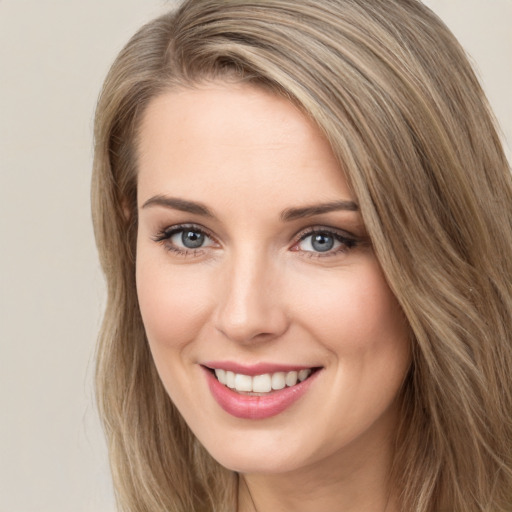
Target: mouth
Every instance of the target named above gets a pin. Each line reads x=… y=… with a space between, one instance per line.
x=258 y=392
x=262 y=384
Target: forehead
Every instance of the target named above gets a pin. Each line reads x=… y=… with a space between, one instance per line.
x=234 y=140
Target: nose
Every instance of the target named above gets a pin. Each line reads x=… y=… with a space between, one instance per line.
x=250 y=307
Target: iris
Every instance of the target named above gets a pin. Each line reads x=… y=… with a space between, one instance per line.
x=192 y=239
x=322 y=242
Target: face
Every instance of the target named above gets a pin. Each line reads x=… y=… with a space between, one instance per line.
x=267 y=314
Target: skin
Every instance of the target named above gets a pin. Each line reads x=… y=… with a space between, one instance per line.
x=258 y=290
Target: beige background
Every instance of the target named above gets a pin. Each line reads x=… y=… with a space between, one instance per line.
x=53 y=57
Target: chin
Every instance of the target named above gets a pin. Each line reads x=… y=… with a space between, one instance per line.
x=270 y=453
x=258 y=463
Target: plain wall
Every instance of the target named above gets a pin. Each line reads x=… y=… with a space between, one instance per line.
x=54 y=55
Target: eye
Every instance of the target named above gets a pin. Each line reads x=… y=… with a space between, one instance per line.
x=184 y=239
x=324 y=242
x=319 y=242
x=190 y=239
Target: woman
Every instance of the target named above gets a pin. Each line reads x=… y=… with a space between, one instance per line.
x=304 y=214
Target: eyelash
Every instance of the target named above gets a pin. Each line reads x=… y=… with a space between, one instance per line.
x=347 y=242
x=165 y=235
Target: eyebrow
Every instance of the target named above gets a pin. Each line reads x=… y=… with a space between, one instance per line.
x=317 y=209
x=287 y=215
x=178 y=204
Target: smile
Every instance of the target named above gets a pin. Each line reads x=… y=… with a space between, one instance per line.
x=253 y=394
x=264 y=383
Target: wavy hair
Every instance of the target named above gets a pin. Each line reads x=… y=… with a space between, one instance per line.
x=394 y=93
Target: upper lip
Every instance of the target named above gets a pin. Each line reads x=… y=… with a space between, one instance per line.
x=255 y=369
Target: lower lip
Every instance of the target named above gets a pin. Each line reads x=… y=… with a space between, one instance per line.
x=252 y=407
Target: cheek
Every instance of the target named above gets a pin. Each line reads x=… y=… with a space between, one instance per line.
x=174 y=302
x=355 y=316
x=355 y=307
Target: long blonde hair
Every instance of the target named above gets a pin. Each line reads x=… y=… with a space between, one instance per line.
x=394 y=94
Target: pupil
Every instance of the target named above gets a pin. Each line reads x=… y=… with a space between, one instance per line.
x=192 y=239
x=322 y=243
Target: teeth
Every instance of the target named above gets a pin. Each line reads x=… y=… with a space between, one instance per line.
x=221 y=376
x=291 y=378
x=230 y=380
x=278 y=380
x=243 y=382
x=304 y=374
x=261 y=383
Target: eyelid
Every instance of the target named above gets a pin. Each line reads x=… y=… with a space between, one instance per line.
x=347 y=240
x=324 y=229
x=165 y=235
x=169 y=231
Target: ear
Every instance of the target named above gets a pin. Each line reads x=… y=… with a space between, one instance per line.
x=126 y=210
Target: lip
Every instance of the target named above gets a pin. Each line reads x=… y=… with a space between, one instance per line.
x=253 y=369
x=256 y=407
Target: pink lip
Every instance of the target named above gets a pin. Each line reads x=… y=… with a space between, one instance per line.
x=253 y=369
x=256 y=407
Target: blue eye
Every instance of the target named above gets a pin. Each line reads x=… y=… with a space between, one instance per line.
x=325 y=242
x=322 y=242
x=182 y=239
x=191 y=239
